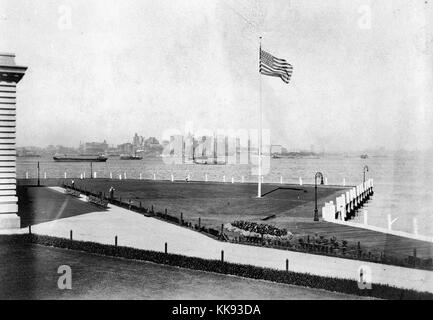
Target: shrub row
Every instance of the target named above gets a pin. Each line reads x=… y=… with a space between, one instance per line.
x=259 y=228
x=247 y=271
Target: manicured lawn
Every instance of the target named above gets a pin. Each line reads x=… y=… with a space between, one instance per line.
x=37 y=205
x=30 y=272
x=215 y=203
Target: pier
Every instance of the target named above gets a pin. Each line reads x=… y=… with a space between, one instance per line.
x=347 y=204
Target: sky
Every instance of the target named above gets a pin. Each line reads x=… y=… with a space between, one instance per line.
x=105 y=69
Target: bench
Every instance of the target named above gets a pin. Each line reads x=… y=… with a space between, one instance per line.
x=269 y=217
x=97 y=201
x=73 y=193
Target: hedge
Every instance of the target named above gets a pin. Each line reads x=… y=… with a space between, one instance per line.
x=247 y=271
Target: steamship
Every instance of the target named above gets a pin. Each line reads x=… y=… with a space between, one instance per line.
x=79 y=158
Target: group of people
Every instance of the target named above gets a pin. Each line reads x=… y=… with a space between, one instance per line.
x=260 y=228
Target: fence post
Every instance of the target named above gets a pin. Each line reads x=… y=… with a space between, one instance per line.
x=287 y=264
x=115 y=241
x=165 y=248
x=70 y=235
x=30 y=229
x=181 y=218
x=199 y=223
x=222 y=256
x=39 y=179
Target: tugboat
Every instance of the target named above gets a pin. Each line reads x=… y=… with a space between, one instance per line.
x=130 y=157
x=80 y=158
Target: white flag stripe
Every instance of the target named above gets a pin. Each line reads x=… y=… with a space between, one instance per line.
x=275 y=67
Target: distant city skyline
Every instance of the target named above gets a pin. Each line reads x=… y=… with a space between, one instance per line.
x=363 y=70
x=311 y=148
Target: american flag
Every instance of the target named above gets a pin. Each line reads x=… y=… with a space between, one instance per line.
x=274 y=67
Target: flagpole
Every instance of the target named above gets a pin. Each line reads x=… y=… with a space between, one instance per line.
x=259 y=186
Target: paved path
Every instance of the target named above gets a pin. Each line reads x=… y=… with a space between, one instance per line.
x=135 y=230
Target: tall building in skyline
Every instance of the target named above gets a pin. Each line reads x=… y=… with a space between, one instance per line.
x=94 y=147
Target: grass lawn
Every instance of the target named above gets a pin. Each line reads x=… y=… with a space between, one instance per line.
x=217 y=203
x=37 y=205
x=30 y=272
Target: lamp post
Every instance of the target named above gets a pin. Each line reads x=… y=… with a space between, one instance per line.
x=365 y=170
x=316 y=212
x=39 y=180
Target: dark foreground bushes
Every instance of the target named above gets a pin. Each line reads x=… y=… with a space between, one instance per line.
x=248 y=271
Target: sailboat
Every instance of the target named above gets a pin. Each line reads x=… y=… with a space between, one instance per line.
x=204 y=159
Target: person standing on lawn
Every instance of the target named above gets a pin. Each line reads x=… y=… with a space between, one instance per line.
x=111 y=191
